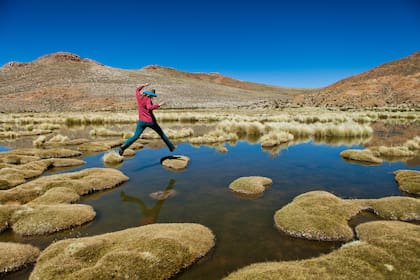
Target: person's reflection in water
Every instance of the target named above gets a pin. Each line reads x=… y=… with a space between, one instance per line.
x=150 y=214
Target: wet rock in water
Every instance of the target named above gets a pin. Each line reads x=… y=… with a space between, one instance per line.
x=156 y=251
x=252 y=185
x=408 y=180
x=112 y=158
x=386 y=250
x=83 y=182
x=14 y=175
x=162 y=195
x=175 y=162
x=361 y=155
x=14 y=256
x=319 y=215
x=43 y=219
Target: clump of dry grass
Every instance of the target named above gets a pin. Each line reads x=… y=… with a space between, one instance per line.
x=47 y=209
x=171 y=133
x=83 y=182
x=104 y=132
x=18 y=174
x=398 y=151
x=275 y=138
x=58 y=139
x=156 y=251
x=408 y=180
x=252 y=185
x=112 y=158
x=385 y=250
x=413 y=144
x=320 y=215
x=42 y=219
x=361 y=155
x=215 y=136
x=38 y=142
x=15 y=256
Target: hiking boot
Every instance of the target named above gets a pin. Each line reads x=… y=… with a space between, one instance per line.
x=172 y=148
x=120 y=151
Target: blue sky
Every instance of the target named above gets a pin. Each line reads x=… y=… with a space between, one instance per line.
x=299 y=43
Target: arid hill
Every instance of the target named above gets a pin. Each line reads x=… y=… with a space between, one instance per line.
x=390 y=84
x=66 y=82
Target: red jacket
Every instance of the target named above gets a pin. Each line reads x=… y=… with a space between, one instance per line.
x=145 y=107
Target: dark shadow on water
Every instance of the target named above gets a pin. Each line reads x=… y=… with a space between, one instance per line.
x=150 y=214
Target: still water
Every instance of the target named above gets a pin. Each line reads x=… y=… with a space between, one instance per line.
x=244 y=228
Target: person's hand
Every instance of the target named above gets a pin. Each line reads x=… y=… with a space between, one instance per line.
x=144 y=85
x=162 y=103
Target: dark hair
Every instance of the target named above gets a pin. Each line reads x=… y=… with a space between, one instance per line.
x=153 y=90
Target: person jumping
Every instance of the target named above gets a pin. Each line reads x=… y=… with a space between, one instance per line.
x=146 y=118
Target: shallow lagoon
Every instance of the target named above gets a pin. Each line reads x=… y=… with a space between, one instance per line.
x=244 y=228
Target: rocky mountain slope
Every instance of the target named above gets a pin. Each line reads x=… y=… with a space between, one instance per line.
x=66 y=82
x=390 y=84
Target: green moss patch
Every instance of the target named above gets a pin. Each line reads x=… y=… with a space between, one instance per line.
x=320 y=215
x=252 y=185
x=176 y=162
x=15 y=256
x=386 y=250
x=408 y=180
x=361 y=155
x=156 y=251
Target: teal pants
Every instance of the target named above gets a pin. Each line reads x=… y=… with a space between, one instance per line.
x=141 y=126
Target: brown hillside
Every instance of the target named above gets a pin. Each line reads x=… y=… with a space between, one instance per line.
x=67 y=82
x=390 y=84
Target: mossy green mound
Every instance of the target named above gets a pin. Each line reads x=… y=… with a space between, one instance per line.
x=14 y=175
x=320 y=215
x=175 y=162
x=14 y=256
x=251 y=185
x=361 y=155
x=408 y=180
x=156 y=251
x=83 y=182
x=386 y=250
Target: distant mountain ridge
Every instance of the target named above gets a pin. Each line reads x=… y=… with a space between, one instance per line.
x=390 y=84
x=66 y=82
